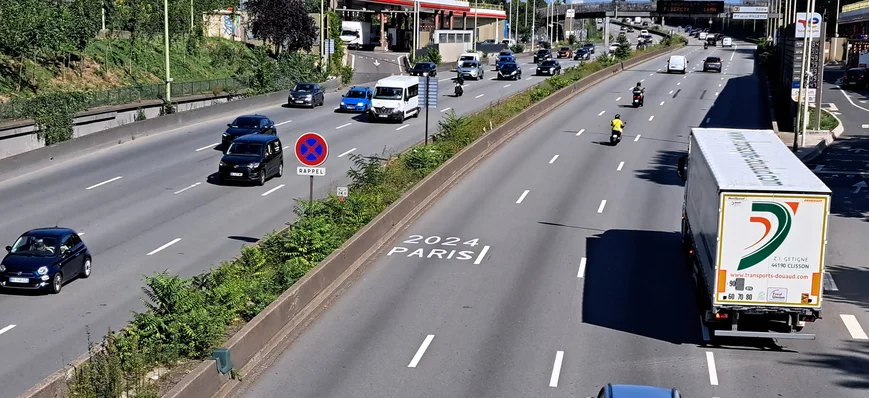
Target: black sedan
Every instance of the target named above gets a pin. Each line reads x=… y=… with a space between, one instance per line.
x=588 y=47
x=712 y=63
x=542 y=55
x=247 y=124
x=421 y=68
x=581 y=54
x=510 y=70
x=550 y=67
x=306 y=94
x=45 y=258
x=856 y=77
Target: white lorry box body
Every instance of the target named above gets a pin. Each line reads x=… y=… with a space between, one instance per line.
x=758 y=219
x=356 y=34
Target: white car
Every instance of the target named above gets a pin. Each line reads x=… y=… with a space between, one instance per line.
x=614 y=47
x=727 y=42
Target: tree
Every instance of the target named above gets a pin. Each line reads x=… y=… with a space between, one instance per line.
x=624 y=50
x=284 y=23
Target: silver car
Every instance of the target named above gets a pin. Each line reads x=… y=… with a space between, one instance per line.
x=471 y=69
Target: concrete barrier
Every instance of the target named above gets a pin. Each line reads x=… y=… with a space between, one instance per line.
x=302 y=302
x=38 y=158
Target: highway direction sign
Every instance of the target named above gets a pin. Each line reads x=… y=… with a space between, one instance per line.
x=311 y=149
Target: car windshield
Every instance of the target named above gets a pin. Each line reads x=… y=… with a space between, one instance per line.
x=422 y=65
x=713 y=59
x=466 y=58
x=389 y=93
x=304 y=88
x=509 y=66
x=506 y=53
x=469 y=64
x=565 y=48
x=245 y=123
x=587 y=45
x=855 y=72
x=548 y=63
x=506 y=59
x=355 y=94
x=35 y=245
x=350 y=33
x=245 y=149
x=542 y=52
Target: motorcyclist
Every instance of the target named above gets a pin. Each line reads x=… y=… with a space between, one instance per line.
x=639 y=90
x=705 y=45
x=618 y=125
x=460 y=81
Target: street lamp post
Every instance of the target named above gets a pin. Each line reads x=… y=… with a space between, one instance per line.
x=533 y=23
x=322 y=35
x=166 y=50
x=476 y=28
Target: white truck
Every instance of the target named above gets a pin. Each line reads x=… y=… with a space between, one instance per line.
x=357 y=35
x=754 y=228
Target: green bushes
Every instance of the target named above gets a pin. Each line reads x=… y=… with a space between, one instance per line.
x=186 y=318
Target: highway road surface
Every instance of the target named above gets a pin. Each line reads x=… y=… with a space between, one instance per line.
x=152 y=205
x=555 y=268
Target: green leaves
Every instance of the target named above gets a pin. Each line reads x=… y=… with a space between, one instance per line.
x=284 y=23
x=53 y=114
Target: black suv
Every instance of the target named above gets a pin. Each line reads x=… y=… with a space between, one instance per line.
x=252 y=158
x=588 y=47
x=424 y=67
x=542 y=55
x=856 y=77
x=712 y=63
x=247 y=124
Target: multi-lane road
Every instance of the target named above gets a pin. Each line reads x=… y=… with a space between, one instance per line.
x=153 y=205
x=555 y=268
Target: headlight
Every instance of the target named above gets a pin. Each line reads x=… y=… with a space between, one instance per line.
x=308 y=96
x=222 y=164
x=226 y=134
x=2 y=268
x=360 y=104
x=253 y=165
x=42 y=270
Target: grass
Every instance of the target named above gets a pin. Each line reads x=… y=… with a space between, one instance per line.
x=828 y=122
x=117 y=62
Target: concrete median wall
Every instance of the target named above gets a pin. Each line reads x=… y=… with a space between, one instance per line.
x=300 y=304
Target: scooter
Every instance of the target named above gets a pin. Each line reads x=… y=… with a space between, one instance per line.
x=615 y=138
x=705 y=46
x=459 y=90
x=638 y=100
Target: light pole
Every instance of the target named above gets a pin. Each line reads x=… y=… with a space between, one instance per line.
x=837 y=19
x=191 y=17
x=166 y=51
x=533 y=23
x=322 y=35
x=476 y=29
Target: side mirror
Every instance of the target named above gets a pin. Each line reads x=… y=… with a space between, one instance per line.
x=680 y=170
x=343 y=96
x=8 y=248
x=229 y=125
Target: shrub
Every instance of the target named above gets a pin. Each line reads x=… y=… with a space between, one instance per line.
x=434 y=55
x=53 y=114
x=140 y=115
x=517 y=48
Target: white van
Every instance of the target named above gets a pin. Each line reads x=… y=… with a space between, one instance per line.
x=395 y=98
x=702 y=36
x=727 y=42
x=477 y=56
x=677 y=63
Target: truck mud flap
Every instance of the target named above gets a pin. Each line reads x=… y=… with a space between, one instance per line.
x=768 y=335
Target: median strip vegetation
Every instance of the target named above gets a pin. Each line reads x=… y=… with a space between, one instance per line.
x=186 y=318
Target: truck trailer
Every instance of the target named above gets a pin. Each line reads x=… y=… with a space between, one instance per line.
x=754 y=229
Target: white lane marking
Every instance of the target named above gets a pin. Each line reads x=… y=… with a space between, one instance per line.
x=556 y=369
x=854 y=327
x=848 y=97
x=445 y=109
x=707 y=120
x=283 y=123
x=528 y=78
x=865 y=126
x=719 y=84
x=818 y=168
x=159 y=249
x=601 y=113
x=420 y=351
x=443 y=80
x=638 y=138
x=272 y=190
x=6 y=329
x=671 y=92
x=713 y=374
x=342 y=126
x=600 y=208
x=482 y=255
x=406 y=125
x=651 y=74
x=507 y=85
x=553 y=159
x=522 y=197
x=103 y=183
x=722 y=78
x=348 y=152
x=685 y=77
x=207 y=147
x=642 y=80
x=733 y=53
x=618 y=99
x=679 y=83
x=829 y=283
x=651 y=117
x=80 y=234
x=621 y=164
x=716 y=93
x=578 y=133
x=479 y=95
x=182 y=190
x=581 y=272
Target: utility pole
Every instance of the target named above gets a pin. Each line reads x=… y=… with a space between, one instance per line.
x=166 y=50
x=191 y=18
x=476 y=29
x=837 y=19
x=533 y=24
x=104 y=16
x=801 y=111
x=322 y=35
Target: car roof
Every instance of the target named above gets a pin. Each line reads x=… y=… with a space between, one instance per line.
x=49 y=231
x=264 y=138
x=354 y=88
x=636 y=391
x=253 y=116
x=510 y=63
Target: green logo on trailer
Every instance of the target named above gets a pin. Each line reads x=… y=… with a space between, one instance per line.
x=784 y=215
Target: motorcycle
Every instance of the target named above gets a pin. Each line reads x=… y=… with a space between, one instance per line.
x=616 y=137
x=459 y=90
x=638 y=100
x=705 y=46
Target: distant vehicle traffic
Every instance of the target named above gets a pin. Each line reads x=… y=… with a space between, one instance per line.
x=677 y=63
x=565 y=52
x=357 y=99
x=506 y=59
x=510 y=71
x=754 y=228
x=712 y=63
x=244 y=125
x=395 y=98
x=588 y=47
x=542 y=55
x=421 y=68
x=45 y=258
x=581 y=54
x=306 y=94
x=727 y=42
x=253 y=158
x=856 y=77
x=358 y=35
x=471 y=69
x=549 y=67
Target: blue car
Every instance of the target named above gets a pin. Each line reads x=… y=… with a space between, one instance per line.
x=45 y=258
x=634 y=391
x=358 y=99
x=504 y=60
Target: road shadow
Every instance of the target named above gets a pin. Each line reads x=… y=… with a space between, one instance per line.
x=662 y=169
x=833 y=74
x=637 y=282
x=245 y=239
x=739 y=106
x=850 y=362
x=851 y=282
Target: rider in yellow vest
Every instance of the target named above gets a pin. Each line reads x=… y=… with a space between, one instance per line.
x=617 y=124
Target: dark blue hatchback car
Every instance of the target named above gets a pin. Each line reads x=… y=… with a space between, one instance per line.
x=45 y=258
x=635 y=391
x=247 y=124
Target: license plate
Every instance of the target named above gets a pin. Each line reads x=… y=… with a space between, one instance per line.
x=300 y=102
x=19 y=280
x=235 y=174
x=381 y=115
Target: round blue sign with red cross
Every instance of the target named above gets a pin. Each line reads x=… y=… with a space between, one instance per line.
x=311 y=149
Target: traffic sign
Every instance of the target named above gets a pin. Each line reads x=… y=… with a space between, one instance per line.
x=311 y=149
x=569 y=13
x=343 y=192
x=311 y=171
x=428 y=98
x=746 y=15
x=751 y=10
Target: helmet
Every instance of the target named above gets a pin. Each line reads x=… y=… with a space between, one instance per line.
x=618 y=116
x=639 y=84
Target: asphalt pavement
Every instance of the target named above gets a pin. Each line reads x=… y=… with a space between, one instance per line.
x=555 y=268
x=153 y=205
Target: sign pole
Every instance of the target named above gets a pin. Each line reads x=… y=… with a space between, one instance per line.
x=311 y=151
x=427 y=80
x=311 y=191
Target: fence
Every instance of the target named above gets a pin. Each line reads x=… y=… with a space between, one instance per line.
x=131 y=94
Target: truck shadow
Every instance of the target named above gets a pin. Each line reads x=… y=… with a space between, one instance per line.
x=850 y=361
x=662 y=168
x=851 y=283
x=637 y=282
